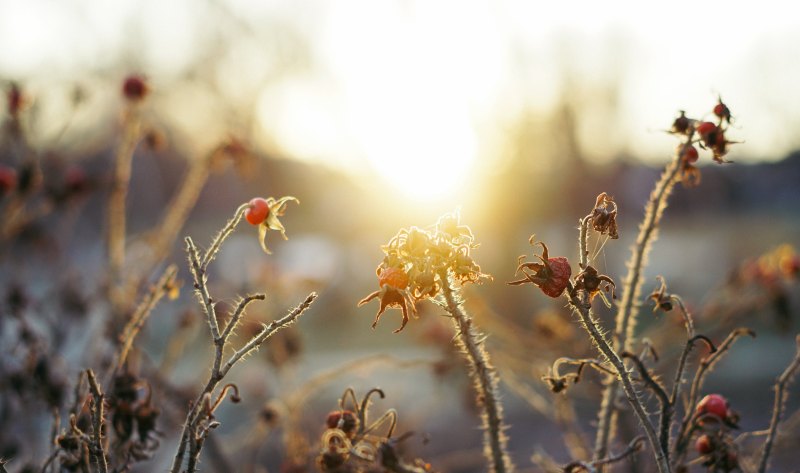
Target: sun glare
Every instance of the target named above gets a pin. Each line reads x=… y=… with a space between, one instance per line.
x=425 y=155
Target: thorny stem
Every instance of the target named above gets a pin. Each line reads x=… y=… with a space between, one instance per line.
x=116 y=209
x=628 y=308
x=706 y=364
x=223 y=234
x=678 y=381
x=663 y=400
x=200 y=277
x=483 y=375
x=267 y=332
x=142 y=313
x=777 y=408
x=96 y=445
x=188 y=437
x=582 y=308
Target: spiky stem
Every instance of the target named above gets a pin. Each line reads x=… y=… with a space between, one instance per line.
x=582 y=308
x=777 y=409
x=483 y=376
x=628 y=308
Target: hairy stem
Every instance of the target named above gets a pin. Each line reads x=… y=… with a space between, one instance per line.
x=582 y=308
x=777 y=409
x=483 y=375
x=706 y=364
x=628 y=308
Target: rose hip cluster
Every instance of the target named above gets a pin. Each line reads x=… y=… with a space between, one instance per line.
x=418 y=262
x=713 y=420
x=707 y=135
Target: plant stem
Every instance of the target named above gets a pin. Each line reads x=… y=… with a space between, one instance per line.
x=96 y=446
x=483 y=376
x=116 y=209
x=628 y=308
x=777 y=409
x=585 y=314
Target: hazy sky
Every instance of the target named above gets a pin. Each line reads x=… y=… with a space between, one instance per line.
x=368 y=84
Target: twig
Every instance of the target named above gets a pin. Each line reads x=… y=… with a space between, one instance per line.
x=212 y=251
x=706 y=364
x=267 y=332
x=484 y=378
x=96 y=445
x=777 y=409
x=628 y=308
x=116 y=208
x=164 y=285
x=582 y=308
x=663 y=400
x=633 y=447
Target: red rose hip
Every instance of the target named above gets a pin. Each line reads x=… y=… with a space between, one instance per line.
x=713 y=404
x=257 y=211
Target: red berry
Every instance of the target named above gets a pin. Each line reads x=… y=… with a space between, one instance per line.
x=722 y=111
x=703 y=445
x=560 y=272
x=690 y=154
x=257 y=212
x=8 y=179
x=705 y=128
x=713 y=404
x=394 y=277
x=134 y=88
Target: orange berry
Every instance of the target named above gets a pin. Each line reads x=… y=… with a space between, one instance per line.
x=394 y=277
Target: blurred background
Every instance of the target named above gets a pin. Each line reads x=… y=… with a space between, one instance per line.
x=380 y=115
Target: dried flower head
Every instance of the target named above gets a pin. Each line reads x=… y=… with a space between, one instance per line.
x=417 y=259
x=591 y=281
x=604 y=216
x=661 y=297
x=551 y=275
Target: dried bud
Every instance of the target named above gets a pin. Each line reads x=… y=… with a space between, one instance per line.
x=135 y=88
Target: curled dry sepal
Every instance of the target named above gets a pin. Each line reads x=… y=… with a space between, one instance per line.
x=415 y=261
x=264 y=213
x=551 y=275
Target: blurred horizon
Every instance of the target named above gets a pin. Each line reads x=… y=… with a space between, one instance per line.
x=426 y=96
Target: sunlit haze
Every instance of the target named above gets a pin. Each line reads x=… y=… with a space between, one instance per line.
x=423 y=94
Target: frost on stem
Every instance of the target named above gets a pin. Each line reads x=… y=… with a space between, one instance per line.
x=681 y=168
x=432 y=264
x=200 y=419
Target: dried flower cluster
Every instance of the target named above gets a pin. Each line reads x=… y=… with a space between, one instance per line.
x=417 y=263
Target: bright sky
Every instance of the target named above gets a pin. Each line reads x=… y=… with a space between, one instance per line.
x=398 y=86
